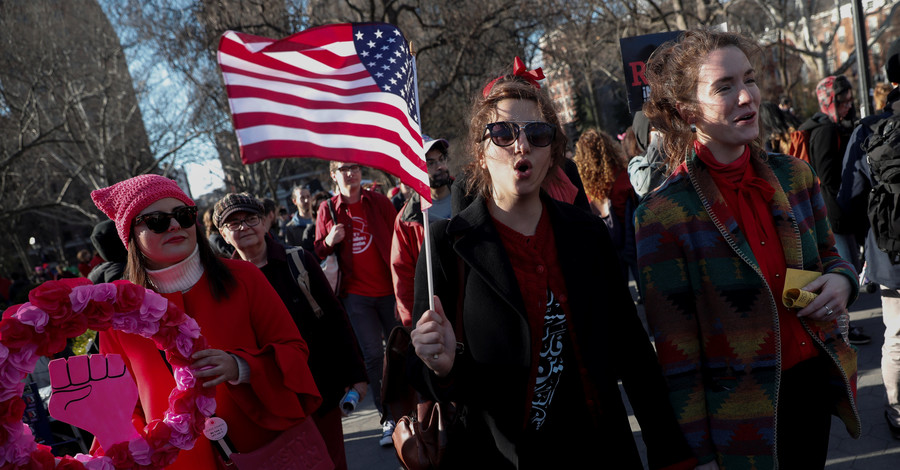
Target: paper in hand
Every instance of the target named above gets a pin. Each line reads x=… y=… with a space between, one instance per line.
x=794 y=280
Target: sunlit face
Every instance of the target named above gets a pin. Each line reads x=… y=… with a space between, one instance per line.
x=518 y=170
x=728 y=101
x=162 y=250
x=348 y=177
x=245 y=238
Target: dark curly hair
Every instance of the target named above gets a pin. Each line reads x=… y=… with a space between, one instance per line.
x=672 y=72
x=599 y=159
x=484 y=112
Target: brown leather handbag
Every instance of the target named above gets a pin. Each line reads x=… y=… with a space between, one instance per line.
x=420 y=439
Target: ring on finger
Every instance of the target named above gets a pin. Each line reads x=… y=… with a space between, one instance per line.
x=829 y=310
x=434 y=356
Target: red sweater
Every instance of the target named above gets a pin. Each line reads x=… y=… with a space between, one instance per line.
x=533 y=259
x=251 y=323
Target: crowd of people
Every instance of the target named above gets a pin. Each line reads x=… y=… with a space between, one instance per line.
x=532 y=326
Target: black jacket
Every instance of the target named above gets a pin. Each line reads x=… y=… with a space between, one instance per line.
x=490 y=378
x=857 y=184
x=827 y=144
x=335 y=359
x=107 y=271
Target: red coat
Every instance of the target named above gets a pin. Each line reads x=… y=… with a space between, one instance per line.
x=251 y=323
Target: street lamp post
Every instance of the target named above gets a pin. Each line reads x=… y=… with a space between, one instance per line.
x=862 y=58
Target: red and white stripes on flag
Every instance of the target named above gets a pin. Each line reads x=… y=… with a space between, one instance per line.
x=343 y=92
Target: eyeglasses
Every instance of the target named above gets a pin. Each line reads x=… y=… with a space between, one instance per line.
x=235 y=225
x=159 y=222
x=505 y=133
x=434 y=162
x=348 y=168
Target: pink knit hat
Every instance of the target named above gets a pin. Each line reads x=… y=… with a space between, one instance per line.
x=124 y=200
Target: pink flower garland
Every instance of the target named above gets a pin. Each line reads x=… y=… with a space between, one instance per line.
x=63 y=309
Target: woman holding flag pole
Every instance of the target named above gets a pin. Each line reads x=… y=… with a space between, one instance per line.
x=540 y=284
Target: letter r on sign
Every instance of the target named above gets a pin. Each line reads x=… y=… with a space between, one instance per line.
x=637 y=73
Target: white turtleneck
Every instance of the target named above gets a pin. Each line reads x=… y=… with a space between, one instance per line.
x=179 y=277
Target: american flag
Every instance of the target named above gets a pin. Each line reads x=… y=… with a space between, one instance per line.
x=344 y=92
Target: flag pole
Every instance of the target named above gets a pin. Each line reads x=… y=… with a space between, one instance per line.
x=425 y=223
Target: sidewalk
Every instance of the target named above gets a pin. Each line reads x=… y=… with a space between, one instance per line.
x=875 y=450
x=361 y=433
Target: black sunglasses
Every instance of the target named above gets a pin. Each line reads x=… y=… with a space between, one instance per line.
x=505 y=133
x=159 y=222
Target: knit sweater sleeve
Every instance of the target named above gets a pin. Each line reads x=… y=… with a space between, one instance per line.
x=825 y=155
x=672 y=316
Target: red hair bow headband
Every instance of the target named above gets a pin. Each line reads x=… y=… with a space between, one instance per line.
x=531 y=76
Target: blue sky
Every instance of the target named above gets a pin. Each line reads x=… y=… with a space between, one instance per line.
x=204 y=177
x=163 y=100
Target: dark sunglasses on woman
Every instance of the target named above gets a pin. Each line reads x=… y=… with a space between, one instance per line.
x=504 y=133
x=158 y=222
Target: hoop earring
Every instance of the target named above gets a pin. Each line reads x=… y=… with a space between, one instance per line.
x=693 y=128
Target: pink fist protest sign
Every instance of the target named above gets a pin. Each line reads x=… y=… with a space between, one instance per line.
x=95 y=393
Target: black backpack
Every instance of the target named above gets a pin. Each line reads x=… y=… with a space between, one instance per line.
x=883 y=154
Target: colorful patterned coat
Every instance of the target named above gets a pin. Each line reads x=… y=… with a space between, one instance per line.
x=714 y=317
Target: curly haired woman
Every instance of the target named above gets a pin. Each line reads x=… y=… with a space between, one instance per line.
x=603 y=170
